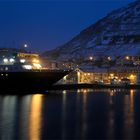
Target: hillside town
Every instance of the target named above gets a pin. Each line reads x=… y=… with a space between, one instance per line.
x=107 y=52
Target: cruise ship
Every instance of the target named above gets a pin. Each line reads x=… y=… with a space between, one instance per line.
x=23 y=70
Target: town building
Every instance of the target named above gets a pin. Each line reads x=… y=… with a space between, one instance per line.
x=84 y=75
x=102 y=75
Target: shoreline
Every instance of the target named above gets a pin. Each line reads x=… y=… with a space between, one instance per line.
x=93 y=86
x=21 y=91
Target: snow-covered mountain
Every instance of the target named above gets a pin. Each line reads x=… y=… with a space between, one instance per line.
x=116 y=34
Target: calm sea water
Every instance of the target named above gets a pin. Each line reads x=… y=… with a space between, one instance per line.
x=81 y=114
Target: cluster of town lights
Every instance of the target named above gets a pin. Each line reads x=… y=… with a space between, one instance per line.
x=131 y=77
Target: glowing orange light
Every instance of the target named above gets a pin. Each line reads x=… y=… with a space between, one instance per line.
x=35 y=117
x=35 y=61
x=127 y=58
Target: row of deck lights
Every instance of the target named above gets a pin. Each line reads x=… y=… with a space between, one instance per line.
x=34 y=61
x=4 y=74
x=12 y=60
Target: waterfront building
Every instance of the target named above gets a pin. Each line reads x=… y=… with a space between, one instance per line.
x=121 y=72
x=88 y=76
x=102 y=75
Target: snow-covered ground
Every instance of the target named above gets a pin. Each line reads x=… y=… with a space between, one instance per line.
x=117 y=34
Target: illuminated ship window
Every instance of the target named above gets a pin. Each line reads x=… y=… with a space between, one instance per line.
x=6 y=68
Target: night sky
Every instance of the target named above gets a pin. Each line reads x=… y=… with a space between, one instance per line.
x=47 y=24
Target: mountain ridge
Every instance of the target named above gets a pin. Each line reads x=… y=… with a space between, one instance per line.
x=118 y=33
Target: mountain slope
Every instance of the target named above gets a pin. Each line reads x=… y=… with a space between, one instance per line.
x=116 y=34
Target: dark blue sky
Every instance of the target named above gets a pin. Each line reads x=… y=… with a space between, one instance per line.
x=46 y=24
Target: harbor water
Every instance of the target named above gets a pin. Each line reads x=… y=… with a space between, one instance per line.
x=75 y=114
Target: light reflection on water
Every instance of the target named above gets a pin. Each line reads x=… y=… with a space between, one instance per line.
x=81 y=114
x=35 y=117
x=8 y=116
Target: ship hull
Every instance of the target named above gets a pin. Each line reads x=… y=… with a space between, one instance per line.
x=30 y=80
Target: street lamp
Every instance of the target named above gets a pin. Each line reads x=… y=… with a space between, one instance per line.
x=109 y=58
x=127 y=58
x=91 y=58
